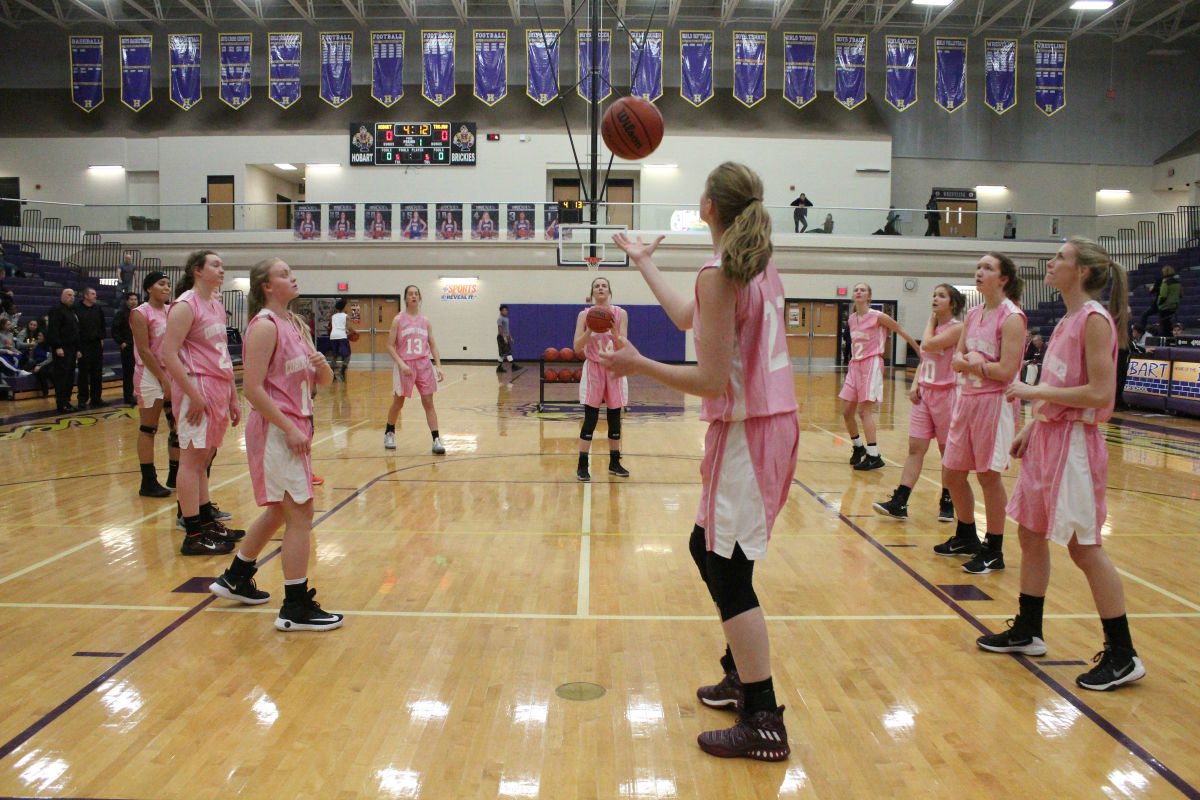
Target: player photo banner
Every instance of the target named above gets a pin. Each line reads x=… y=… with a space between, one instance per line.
x=696 y=63
x=799 y=68
x=550 y=220
x=491 y=65
x=850 y=69
x=449 y=221
x=541 y=54
x=337 y=54
x=950 y=72
x=378 y=221
x=749 y=67
x=387 y=66
x=1000 y=74
x=87 y=71
x=901 y=78
x=342 y=221
x=485 y=221
x=136 y=91
x=1050 y=76
x=234 y=49
x=283 y=82
x=603 y=61
x=185 y=69
x=520 y=221
x=645 y=64
x=306 y=221
x=437 y=66
x=414 y=221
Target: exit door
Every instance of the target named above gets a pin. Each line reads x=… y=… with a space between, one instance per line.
x=812 y=331
x=958 y=218
x=372 y=318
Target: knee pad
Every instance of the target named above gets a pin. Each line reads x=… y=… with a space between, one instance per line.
x=147 y=429
x=696 y=546
x=591 y=415
x=614 y=422
x=731 y=582
x=173 y=439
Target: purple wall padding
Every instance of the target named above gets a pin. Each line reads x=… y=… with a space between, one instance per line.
x=536 y=326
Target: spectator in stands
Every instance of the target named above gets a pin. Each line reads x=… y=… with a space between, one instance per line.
x=1010 y=227
x=41 y=364
x=28 y=337
x=1153 y=309
x=932 y=217
x=1139 y=338
x=127 y=273
x=9 y=267
x=122 y=334
x=1177 y=330
x=800 y=215
x=62 y=335
x=1170 y=295
x=827 y=227
x=92 y=332
x=10 y=356
x=8 y=310
x=891 y=226
x=1035 y=348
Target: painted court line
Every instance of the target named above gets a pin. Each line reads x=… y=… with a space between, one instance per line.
x=584 y=589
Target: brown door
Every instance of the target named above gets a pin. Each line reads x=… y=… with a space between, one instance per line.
x=383 y=310
x=812 y=330
x=283 y=213
x=620 y=192
x=959 y=218
x=220 y=202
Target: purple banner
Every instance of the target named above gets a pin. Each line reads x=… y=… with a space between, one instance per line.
x=437 y=66
x=283 y=60
x=696 y=63
x=449 y=220
x=645 y=64
x=342 y=220
x=541 y=53
x=901 y=78
x=136 y=91
x=337 y=55
x=491 y=65
x=387 y=66
x=414 y=218
x=1000 y=74
x=185 y=69
x=306 y=220
x=87 y=71
x=749 y=67
x=799 y=68
x=950 y=72
x=234 y=49
x=850 y=69
x=603 y=62
x=378 y=222
x=521 y=221
x=1050 y=76
x=485 y=220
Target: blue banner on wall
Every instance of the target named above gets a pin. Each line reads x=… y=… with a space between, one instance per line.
x=234 y=51
x=901 y=79
x=521 y=220
x=306 y=221
x=950 y=72
x=185 y=69
x=541 y=54
x=342 y=220
x=603 y=61
x=414 y=221
x=387 y=66
x=337 y=56
x=136 y=90
x=378 y=221
x=87 y=71
x=645 y=64
x=449 y=220
x=749 y=67
x=437 y=66
x=1050 y=76
x=799 y=68
x=1000 y=74
x=850 y=69
x=696 y=62
x=485 y=220
x=283 y=82
x=491 y=65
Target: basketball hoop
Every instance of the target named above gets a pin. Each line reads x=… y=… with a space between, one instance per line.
x=593 y=263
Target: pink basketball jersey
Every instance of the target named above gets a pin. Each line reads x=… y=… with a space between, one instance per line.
x=205 y=350
x=760 y=382
x=156 y=327
x=604 y=342
x=983 y=335
x=866 y=335
x=412 y=337
x=1065 y=364
x=934 y=369
x=290 y=375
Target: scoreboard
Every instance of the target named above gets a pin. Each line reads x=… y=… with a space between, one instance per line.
x=412 y=144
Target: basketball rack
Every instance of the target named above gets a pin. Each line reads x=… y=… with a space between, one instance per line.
x=591 y=246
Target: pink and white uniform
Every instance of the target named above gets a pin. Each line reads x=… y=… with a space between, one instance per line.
x=936 y=381
x=750 y=446
x=864 y=376
x=1065 y=466
x=412 y=344
x=274 y=469
x=205 y=356
x=982 y=422
x=145 y=385
x=597 y=386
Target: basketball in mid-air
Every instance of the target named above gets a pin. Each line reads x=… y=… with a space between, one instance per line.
x=632 y=128
x=599 y=320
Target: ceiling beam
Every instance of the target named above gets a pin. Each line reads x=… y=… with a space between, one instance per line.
x=306 y=13
x=853 y=10
x=108 y=20
x=460 y=8
x=249 y=12
x=1182 y=32
x=992 y=20
x=56 y=20
x=888 y=17
x=355 y=12
x=1110 y=13
x=205 y=17
x=672 y=11
x=945 y=12
x=728 y=8
x=409 y=7
x=144 y=12
x=1044 y=20
x=782 y=7
x=833 y=15
x=1156 y=18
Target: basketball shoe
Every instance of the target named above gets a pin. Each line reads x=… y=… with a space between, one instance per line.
x=868 y=463
x=306 y=614
x=893 y=508
x=956 y=545
x=389 y=441
x=985 y=561
x=439 y=449
x=857 y=454
x=945 y=508
x=1017 y=639
x=614 y=466
x=1114 y=666
x=761 y=736
x=726 y=694
x=202 y=544
x=243 y=590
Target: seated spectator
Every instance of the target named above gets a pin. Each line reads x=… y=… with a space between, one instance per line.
x=1177 y=330
x=1035 y=348
x=1010 y=227
x=891 y=226
x=40 y=364
x=1139 y=339
x=8 y=309
x=27 y=338
x=10 y=356
x=827 y=227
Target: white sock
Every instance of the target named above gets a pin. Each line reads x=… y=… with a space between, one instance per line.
x=872 y=450
x=297 y=580
x=857 y=441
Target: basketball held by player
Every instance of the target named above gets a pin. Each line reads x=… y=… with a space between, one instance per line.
x=151 y=383
x=596 y=385
x=743 y=375
x=281 y=369
x=411 y=344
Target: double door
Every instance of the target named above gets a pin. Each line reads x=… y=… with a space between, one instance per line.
x=372 y=318
x=812 y=331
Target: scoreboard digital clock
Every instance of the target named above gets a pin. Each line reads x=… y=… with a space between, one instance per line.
x=412 y=144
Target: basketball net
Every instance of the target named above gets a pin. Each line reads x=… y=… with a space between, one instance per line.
x=593 y=263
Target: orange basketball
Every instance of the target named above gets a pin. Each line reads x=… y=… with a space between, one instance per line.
x=632 y=128
x=565 y=374
x=599 y=320
x=550 y=355
x=577 y=374
x=566 y=354
x=352 y=336
x=550 y=375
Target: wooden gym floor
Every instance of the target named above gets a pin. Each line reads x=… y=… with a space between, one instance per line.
x=489 y=597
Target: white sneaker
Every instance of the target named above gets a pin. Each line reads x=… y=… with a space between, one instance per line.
x=439 y=449
x=389 y=440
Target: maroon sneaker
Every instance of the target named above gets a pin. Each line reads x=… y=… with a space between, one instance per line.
x=726 y=694
x=761 y=736
x=202 y=544
x=217 y=530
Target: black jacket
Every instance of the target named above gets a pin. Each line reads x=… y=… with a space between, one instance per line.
x=121 y=332
x=62 y=327
x=91 y=323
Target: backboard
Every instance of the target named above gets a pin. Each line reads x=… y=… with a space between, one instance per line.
x=575 y=245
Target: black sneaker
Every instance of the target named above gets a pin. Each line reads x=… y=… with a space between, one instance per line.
x=1014 y=640
x=306 y=615
x=870 y=462
x=615 y=468
x=201 y=544
x=729 y=693
x=582 y=474
x=761 y=736
x=244 y=591
x=892 y=508
x=217 y=530
x=987 y=560
x=1113 y=668
x=962 y=546
x=857 y=455
x=946 y=510
x=157 y=490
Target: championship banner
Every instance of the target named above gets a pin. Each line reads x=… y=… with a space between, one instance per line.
x=541 y=56
x=387 y=67
x=1000 y=74
x=950 y=72
x=414 y=219
x=850 y=69
x=437 y=66
x=901 y=79
x=485 y=220
x=337 y=53
x=1050 y=76
x=449 y=220
x=749 y=67
x=645 y=64
x=283 y=60
x=378 y=222
x=520 y=221
x=604 y=61
x=306 y=220
x=87 y=71
x=696 y=63
x=136 y=91
x=185 y=69
x=342 y=219
x=550 y=220
x=799 y=68
x=234 y=49
x=491 y=65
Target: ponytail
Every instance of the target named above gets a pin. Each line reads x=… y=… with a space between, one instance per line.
x=1012 y=289
x=737 y=194
x=194 y=262
x=1102 y=270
